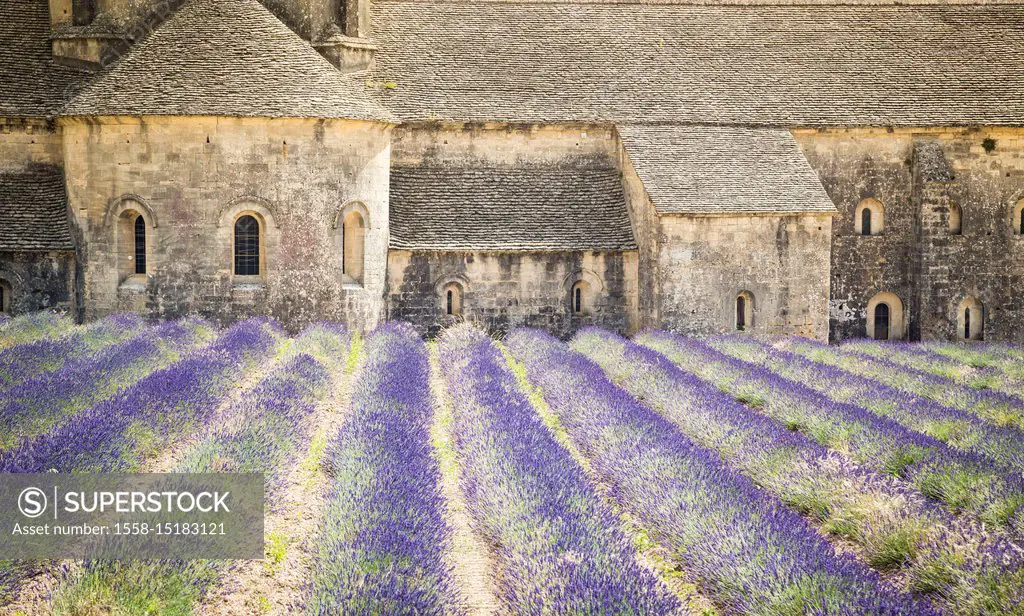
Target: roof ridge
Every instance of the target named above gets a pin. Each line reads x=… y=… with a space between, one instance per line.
x=225 y=58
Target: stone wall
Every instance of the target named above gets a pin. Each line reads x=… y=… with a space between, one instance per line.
x=917 y=258
x=191 y=177
x=502 y=291
x=646 y=229
x=781 y=261
x=38 y=281
x=23 y=142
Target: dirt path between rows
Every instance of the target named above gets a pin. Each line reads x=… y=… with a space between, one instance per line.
x=292 y=529
x=473 y=564
x=35 y=593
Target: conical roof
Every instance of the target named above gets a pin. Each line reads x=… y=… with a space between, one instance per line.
x=226 y=58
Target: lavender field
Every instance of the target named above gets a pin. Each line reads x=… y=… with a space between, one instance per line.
x=529 y=475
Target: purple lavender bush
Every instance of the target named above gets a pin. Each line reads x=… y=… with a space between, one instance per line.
x=119 y=433
x=963 y=481
x=754 y=554
x=957 y=428
x=384 y=539
x=263 y=432
x=996 y=407
x=560 y=549
x=23 y=361
x=895 y=530
x=34 y=326
x=51 y=398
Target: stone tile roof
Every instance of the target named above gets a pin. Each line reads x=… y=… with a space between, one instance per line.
x=570 y=206
x=31 y=84
x=33 y=211
x=226 y=58
x=720 y=170
x=746 y=65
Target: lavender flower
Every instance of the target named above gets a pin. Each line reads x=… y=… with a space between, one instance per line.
x=996 y=407
x=119 y=433
x=895 y=529
x=963 y=481
x=51 y=398
x=34 y=326
x=755 y=555
x=21 y=362
x=959 y=429
x=384 y=538
x=560 y=549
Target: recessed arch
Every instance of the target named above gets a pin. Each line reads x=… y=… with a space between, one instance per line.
x=869 y=217
x=1017 y=220
x=118 y=205
x=451 y=294
x=970 y=319
x=885 y=317
x=581 y=298
x=133 y=238
x=257 y=205
x=956 y=219
x=353 y=246
x=744 y=313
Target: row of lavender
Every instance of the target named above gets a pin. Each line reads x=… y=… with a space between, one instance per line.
x=755 y=555
x=262 y=432
x=962 y=566
x=559 y=548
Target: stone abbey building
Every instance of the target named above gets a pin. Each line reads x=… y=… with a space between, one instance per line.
x=814 y=168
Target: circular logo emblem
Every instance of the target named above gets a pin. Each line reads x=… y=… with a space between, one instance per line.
x=32 y=502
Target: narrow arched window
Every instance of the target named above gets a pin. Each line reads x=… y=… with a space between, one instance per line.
x=5 y=297
x=882 y=321
x=741 y=313
x=140 y=245
x=451 y=298
x=971 y=320
x=247 y=246
x=956 y=216
x=1022 y=222
x=579 y=297
x=353 y=247
x=869 y=218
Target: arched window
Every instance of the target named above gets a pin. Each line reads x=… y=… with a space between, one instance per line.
x=970 y=320
x=247 y=246
x=353 y=247
x=132 y=246
x=869 y=218
x=1018 y=218
x=451 y=299
x=5 y=297
x=580 y=297
x=140 y=245
x=956 y=219
x=744 y=311
x=885 y=317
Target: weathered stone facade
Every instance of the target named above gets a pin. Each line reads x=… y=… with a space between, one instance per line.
x=190 y=178
x=501 y=291
x=549 y=165
x=917 y=176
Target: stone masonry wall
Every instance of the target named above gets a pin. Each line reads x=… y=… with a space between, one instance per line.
x=503 y=291
x=191 y=177
x=706 y=262
x=38 y=281
x=917 y=258
x=28 y=141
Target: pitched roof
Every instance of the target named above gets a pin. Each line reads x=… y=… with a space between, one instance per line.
x=226 y=58
x=570 y=206
x=33 y=211
x=31 y=84
x=709 y=170
x=793 y=65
